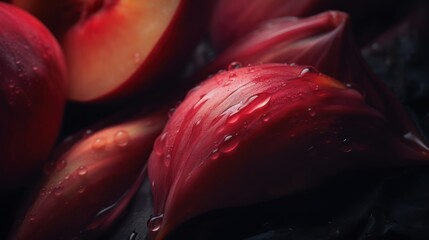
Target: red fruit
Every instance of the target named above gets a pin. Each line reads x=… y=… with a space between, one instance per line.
x=92 y=182
x=32 y=94
x=115 y=49
x=325 y=42
x=261 y=132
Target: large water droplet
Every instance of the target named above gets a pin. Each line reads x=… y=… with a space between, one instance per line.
x=233 y=118
x=154 y=223
x=99 y=143
x=82 y=170
x=230 y=143
x=234 y=65
x=256 y=102
x=121 y=138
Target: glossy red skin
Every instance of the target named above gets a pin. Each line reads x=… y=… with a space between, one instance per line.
x=165 y=61
x=91 y=183
x=32 y=95
x=325 y=42
x=261 y=132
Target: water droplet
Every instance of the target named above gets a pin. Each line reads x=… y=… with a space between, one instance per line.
x=257 y=102
x=154 y=223
x=159 y=144
x=292 y=64
x=58 y=191
x=168 y=156
x=32 y=217
x=413 y=138
x=171 y=111
x=304 y=71
x=18 y=62
x=137 y=58
x=42 y=192
x=35 y=68
x=11 y=84
x=230 y=143
x=311 y=112
x=61 y=165
x=121 y=138
x=214 y=154
x=99 y=143
x=133 y=236
x=347 y=147
x=234 y=65
x=200 y=102
x=230 y=79
x=81 y=189
x=87 y=133
x=233 y=118
x=265 y=117
x=251 y=69
x=82 y=170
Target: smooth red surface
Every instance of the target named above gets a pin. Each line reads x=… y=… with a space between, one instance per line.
x=32 y=95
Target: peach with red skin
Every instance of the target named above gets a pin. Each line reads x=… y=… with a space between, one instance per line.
x=118 y=48
x=32 y=94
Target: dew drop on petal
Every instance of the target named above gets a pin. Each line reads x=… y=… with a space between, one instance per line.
x=311 y=112
x=99 y=143
x=230 y=144
x=121 y=138
x=61 y=165
x=265 y=117
x=234 y=65
x=154 y=223
x=214 y=154
x=82 y=170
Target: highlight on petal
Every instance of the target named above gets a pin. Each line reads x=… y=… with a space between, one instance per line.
x=261 y=132
x=325 y=42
